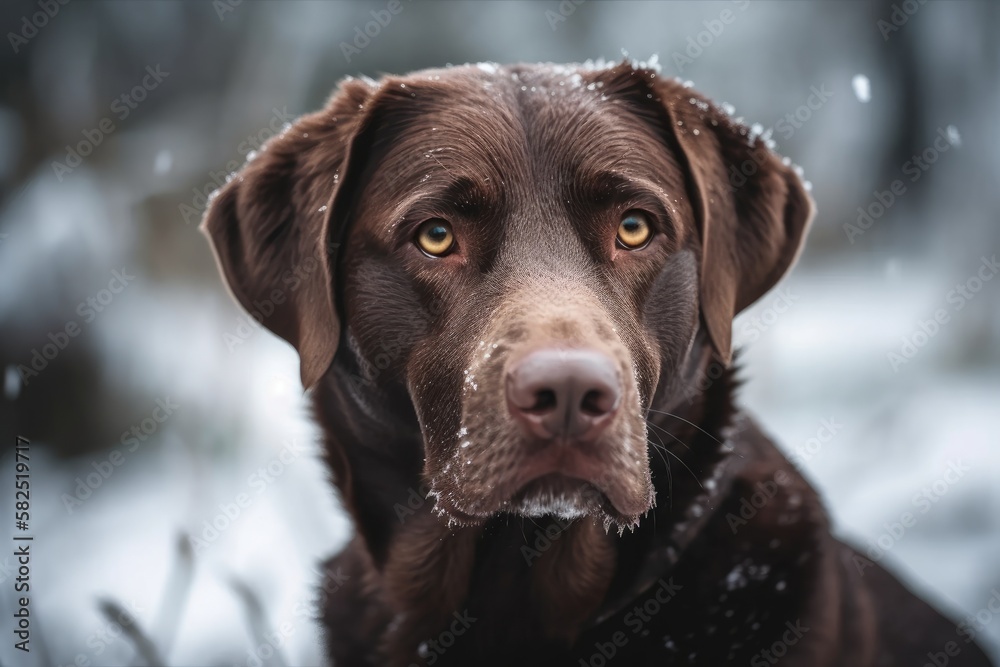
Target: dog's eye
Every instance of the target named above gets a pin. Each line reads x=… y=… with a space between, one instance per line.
x=634 y=231
x=435 y=238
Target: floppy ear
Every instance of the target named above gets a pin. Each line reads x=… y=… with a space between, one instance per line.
x=276 y=224
x=752 y=210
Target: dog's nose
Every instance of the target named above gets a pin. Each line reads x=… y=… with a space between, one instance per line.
x=564 y=393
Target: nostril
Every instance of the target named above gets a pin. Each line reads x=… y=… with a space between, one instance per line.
x=594 y=403
x=545 y=401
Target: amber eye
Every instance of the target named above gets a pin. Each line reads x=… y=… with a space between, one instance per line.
x=435 y=238
x=634 y=231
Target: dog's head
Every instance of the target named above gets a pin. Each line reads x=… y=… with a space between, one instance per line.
x=527 y=255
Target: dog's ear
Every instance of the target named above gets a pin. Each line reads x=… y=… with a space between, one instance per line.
x=751 y=209
x=275 y=226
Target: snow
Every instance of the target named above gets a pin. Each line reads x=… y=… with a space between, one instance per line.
x=11 y=383
x=954 y=138
x=735 y=579
x=653 y=63
x=862 y=88
x=163 y=162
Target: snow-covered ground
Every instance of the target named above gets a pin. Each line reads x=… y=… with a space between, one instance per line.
x=265 y=515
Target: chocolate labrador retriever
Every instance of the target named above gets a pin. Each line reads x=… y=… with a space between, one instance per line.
x=512 y=292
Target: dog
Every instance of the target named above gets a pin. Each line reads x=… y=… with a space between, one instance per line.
x=512 y=290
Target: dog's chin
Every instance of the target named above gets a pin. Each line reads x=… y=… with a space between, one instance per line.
x=559 y=496
x=554 y=495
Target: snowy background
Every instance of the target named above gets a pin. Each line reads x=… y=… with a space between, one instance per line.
x=867 y=86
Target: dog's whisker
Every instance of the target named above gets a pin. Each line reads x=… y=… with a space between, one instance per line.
x=666 y=463
x=659 y=448
x=670 y=414
x=657 y=426
x=681 y=461
x=686 y=467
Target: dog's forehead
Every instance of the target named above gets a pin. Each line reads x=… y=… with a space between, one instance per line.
x=515 y=135
x=497 y=123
